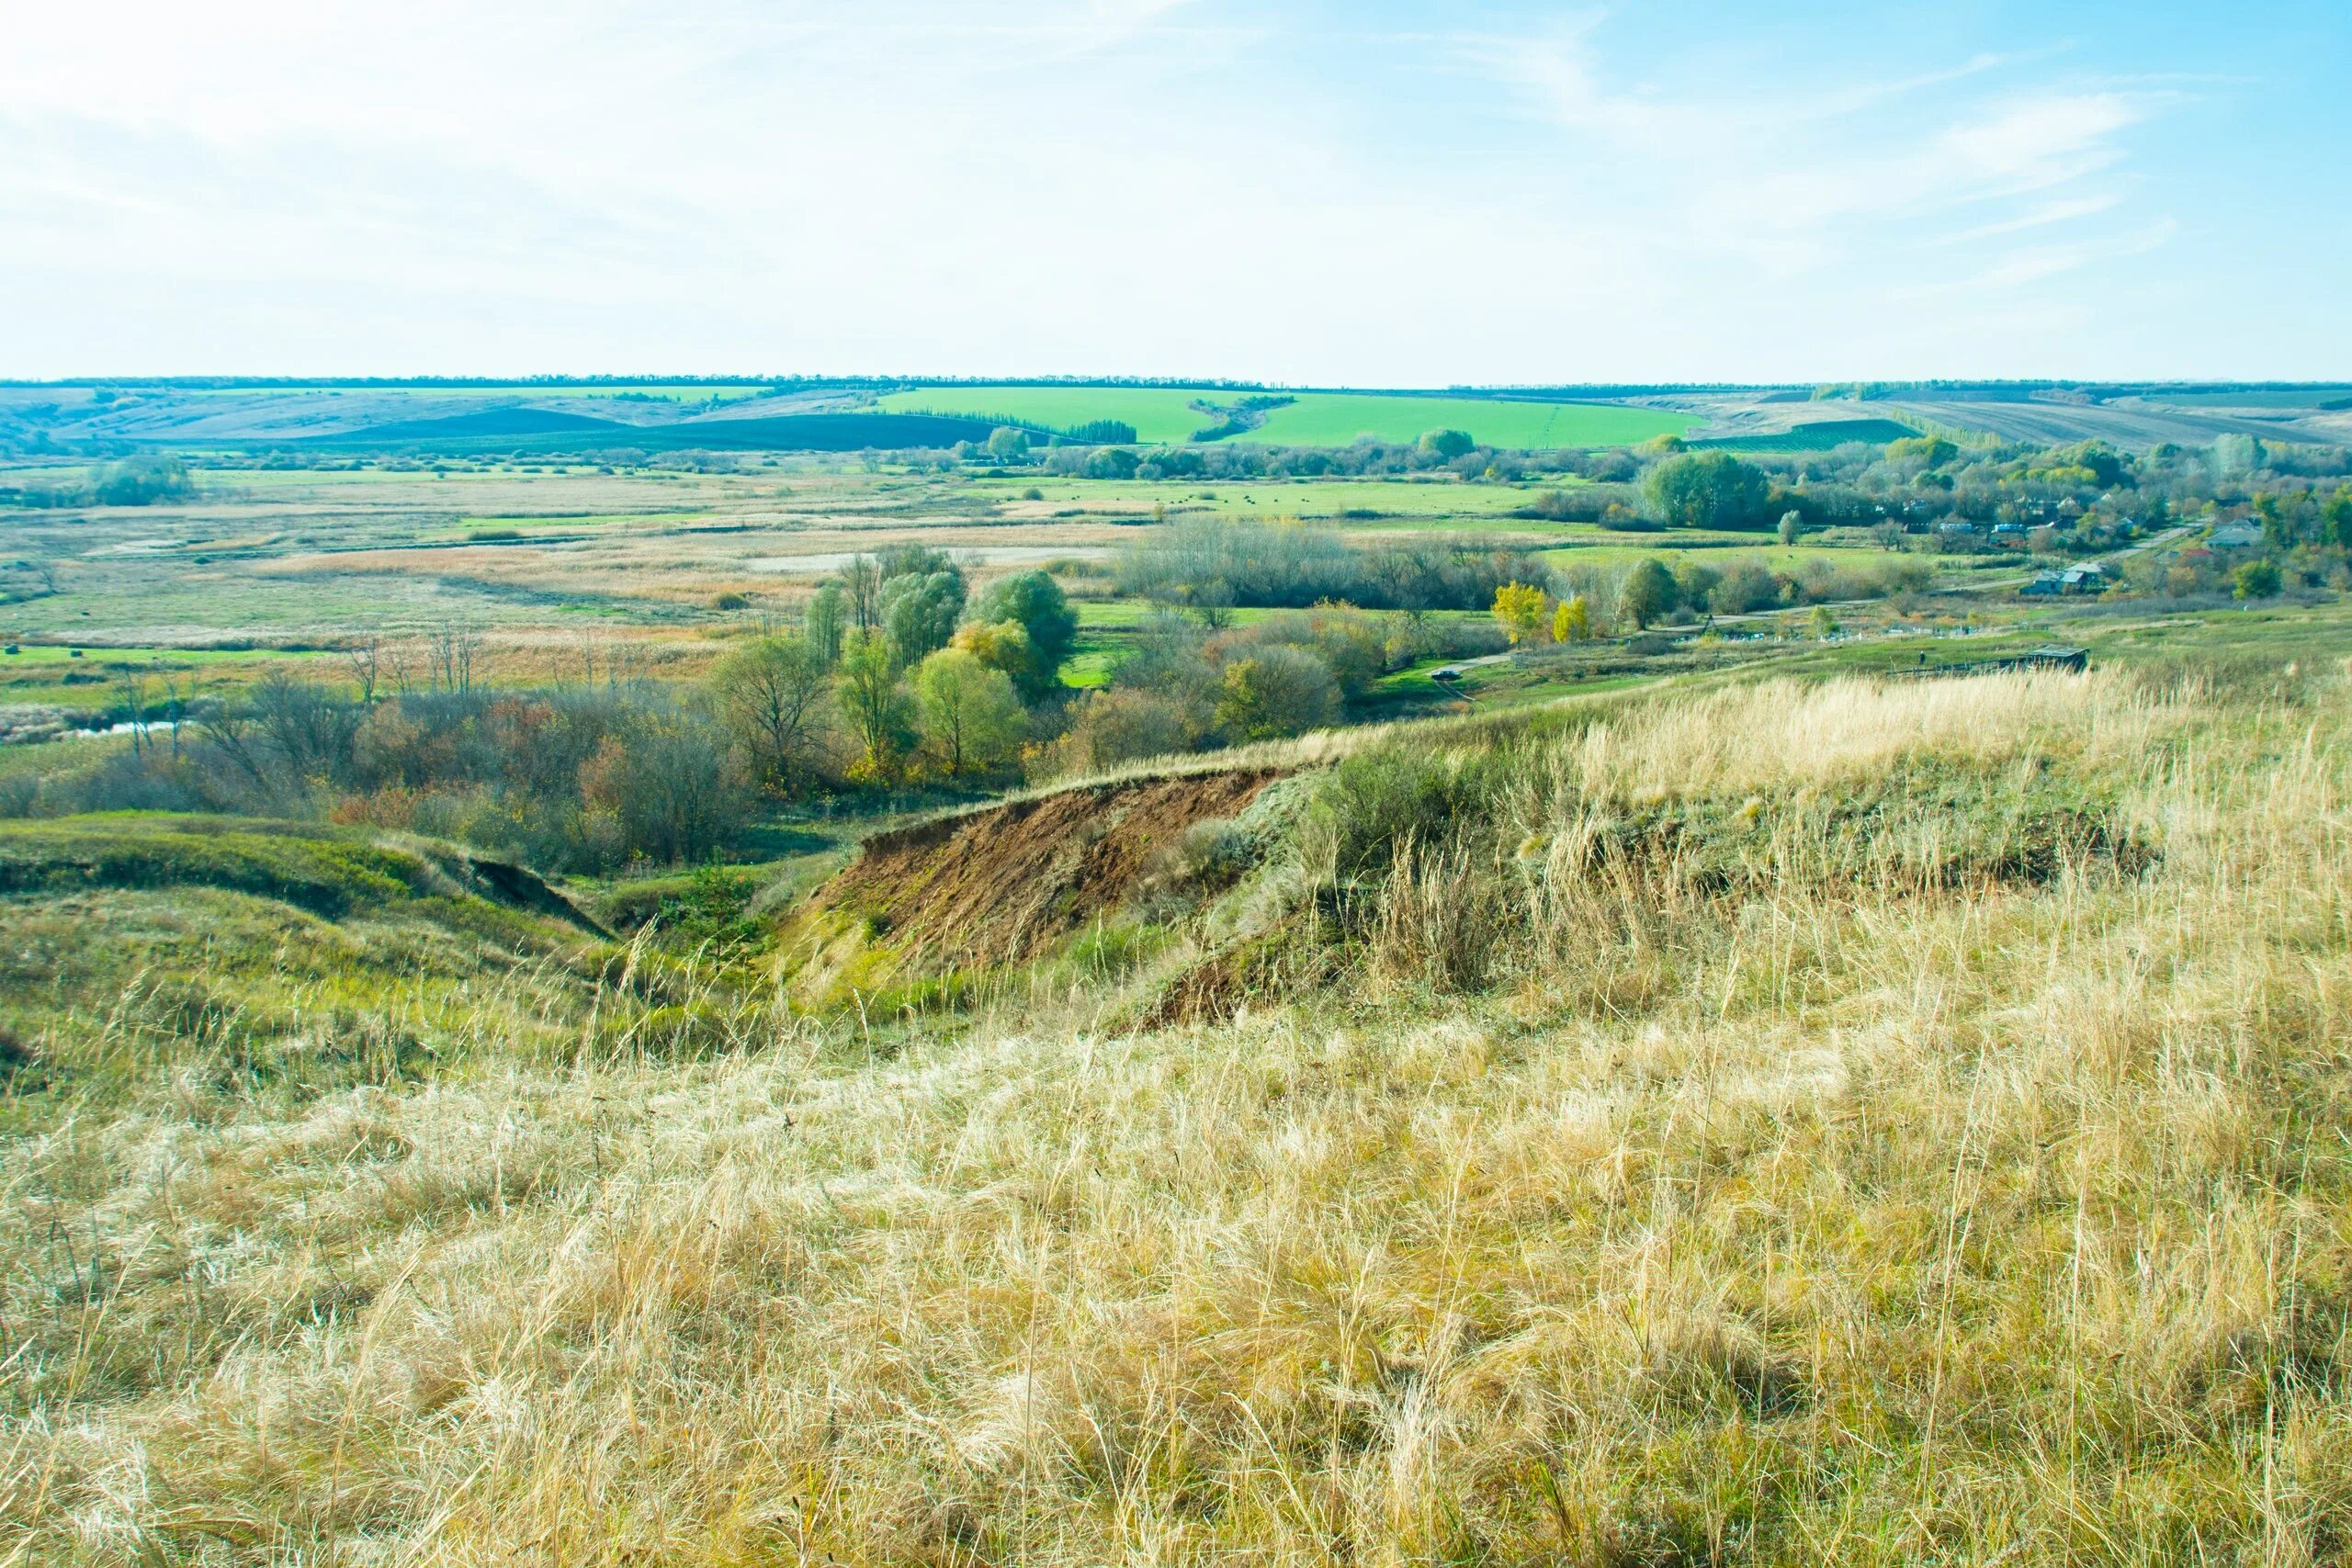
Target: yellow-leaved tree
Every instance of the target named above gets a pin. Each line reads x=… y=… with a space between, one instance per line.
x=1520 y=609
x=1572 y=621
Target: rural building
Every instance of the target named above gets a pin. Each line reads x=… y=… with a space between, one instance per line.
x=2089 y=578
x=2045 y=585
x=2237 y=537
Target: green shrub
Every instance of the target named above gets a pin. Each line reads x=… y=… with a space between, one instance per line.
x=1375 y=800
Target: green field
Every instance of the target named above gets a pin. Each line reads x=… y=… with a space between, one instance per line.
x=1313 y=419
x=1336 y=419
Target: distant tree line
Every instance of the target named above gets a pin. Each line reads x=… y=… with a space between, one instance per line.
x=1210 y=567
x=144 y=479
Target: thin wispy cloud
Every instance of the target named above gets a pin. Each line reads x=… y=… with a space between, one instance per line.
x=2027 y=265
x=2042 y=217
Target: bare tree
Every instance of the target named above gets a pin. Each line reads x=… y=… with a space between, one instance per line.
x=309 y=727
x=174 y=710
x=366 y=658
x=626 y=666
x=232 y=730
x=449 y=656
x=134 y=709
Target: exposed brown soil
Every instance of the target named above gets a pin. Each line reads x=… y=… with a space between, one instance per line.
x=1004 y=885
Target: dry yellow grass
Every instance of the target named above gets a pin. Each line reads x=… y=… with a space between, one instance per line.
x=1810 y=1221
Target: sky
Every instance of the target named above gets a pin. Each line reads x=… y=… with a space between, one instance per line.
x=1370 y=194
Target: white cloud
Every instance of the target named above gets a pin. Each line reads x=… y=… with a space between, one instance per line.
x=2042 y=140
x=2042 y=217
x=1142 y=186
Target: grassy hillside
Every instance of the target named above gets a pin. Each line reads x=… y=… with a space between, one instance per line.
x=1850 y=1122
x=1159 y=413
x=1818 y=437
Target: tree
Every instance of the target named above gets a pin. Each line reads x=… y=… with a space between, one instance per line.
x=1707 y=489
x=1518 y=609
x=364 y=658
x=862 y=582
x=913 y=561
x=1116 y=727
x=1035 y=603
x=1792 y=524
x=2336 y=518
x=1647 y=593
x=1008 y=444
x=2256 y=579
x=1446 y=445
x=970 y=716
x=823 y=623
x=774 y=690
x=1825 y=625
x=1746 y=586
x=1572 y=621
x=1112 y=463
x=1932 y=450
x=1275 y=691
x=2236 y=454
x=919 y=613
x=1694 y=584
x=873 y=700
x=450 y=650
x=665 y=787
x=141 y=482
x=1000 y=645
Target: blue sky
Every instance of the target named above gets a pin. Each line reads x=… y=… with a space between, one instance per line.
x=1381 y=194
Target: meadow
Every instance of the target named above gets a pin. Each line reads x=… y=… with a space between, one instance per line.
x=561 y=568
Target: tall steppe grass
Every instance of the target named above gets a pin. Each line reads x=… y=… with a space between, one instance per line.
x=1849 y=1123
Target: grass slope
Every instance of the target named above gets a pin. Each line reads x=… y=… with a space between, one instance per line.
x=1857 y=1123
x=1159 y=413
x=1818 y=436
